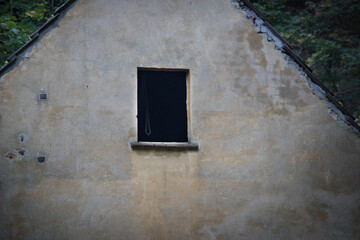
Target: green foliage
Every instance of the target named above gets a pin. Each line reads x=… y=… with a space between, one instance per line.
x=326 y=34
x=19 y=19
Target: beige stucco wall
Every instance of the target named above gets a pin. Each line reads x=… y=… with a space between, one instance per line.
x=272 y=164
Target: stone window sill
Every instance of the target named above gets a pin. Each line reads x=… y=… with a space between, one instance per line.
x=165 y=145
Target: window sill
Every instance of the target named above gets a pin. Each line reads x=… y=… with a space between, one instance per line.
x=165 y=145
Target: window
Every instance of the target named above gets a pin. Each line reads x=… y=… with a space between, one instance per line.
x=162 y=105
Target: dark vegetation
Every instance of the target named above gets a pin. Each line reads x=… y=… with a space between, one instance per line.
x=19 y=19
x=325 y=33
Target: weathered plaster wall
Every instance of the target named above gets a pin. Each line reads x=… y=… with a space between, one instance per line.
x=273 y=164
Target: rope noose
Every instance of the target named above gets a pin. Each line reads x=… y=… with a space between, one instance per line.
x=147 y=113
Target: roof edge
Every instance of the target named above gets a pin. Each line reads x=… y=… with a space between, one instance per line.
x=286 y=49
x=59 y=13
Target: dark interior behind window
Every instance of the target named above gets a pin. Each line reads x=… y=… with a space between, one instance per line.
x=162 y=114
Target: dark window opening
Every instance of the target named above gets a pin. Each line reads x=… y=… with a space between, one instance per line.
x=162 y=113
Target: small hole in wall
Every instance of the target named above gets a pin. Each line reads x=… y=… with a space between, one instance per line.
x=22 y=137
x=21 y=152
x=41 y=159
x=43 y=96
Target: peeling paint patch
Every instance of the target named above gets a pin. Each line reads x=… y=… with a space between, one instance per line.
x=16 y=155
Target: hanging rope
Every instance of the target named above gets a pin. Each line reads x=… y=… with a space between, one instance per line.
x=147 y=113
